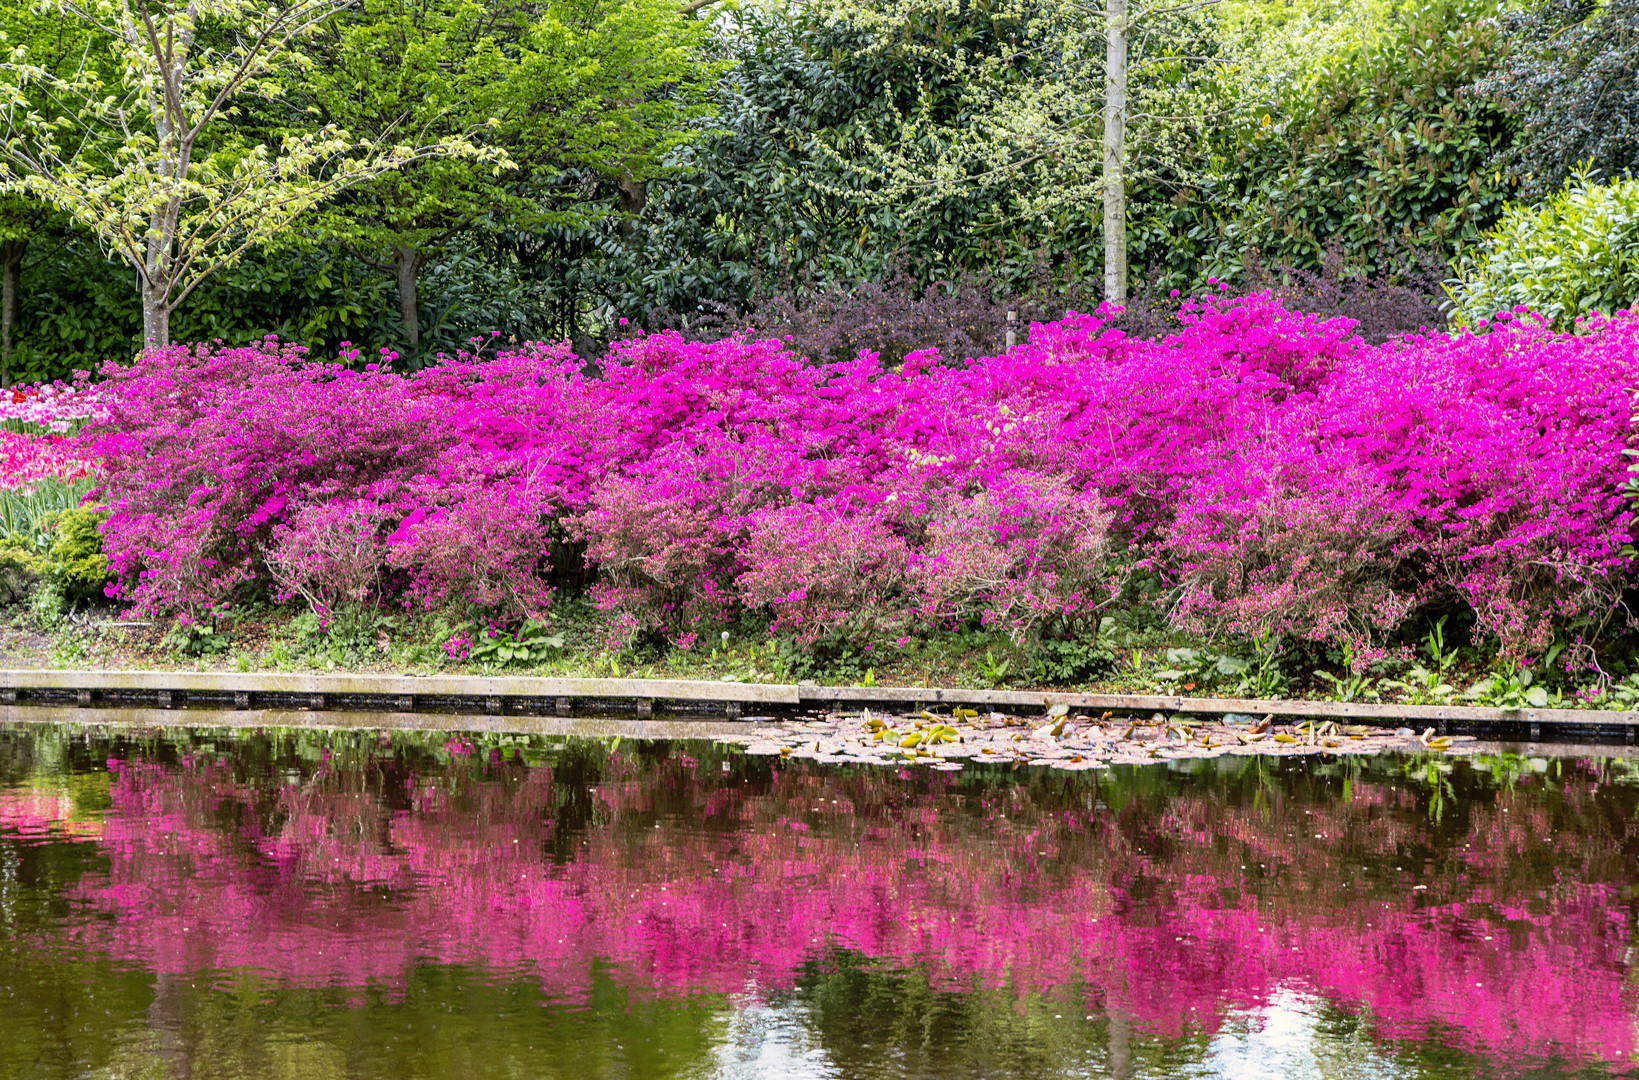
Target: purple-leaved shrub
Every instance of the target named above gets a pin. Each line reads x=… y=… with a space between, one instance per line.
x=1287 y=476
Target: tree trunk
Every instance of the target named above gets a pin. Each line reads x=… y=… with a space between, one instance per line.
x=11 y=274
x=634 y=196
x=1115 y=152
x=1121 y=1058
x=168 y=1019
x=156 y=317
x=406 y=265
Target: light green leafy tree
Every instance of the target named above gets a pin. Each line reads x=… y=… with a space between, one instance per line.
x=138 y=143
x=605 y=87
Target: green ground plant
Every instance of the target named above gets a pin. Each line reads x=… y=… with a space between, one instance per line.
x=1427 y=680
x=26 y=516
x=266 y=637
x=1513 y=688
x=529 y=644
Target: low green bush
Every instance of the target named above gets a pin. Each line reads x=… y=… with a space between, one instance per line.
x=20 y=571
x=75 y=560
x=48 y=539
x=1577 y=252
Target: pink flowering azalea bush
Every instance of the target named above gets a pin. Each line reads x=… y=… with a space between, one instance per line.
x=1285 y=477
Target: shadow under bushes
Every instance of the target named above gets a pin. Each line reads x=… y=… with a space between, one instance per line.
x=1407 y=300
x=968 y=316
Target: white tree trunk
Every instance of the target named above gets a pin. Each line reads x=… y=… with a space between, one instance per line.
x=174 y=148
x=1115 y=152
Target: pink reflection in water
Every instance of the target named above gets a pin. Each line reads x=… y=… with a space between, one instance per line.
x=739 y=885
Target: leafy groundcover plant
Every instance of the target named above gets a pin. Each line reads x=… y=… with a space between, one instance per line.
x=1283 y=476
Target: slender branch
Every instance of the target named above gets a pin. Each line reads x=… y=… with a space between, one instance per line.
x=1151 y=13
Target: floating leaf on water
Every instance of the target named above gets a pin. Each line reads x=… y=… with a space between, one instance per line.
x=1059 y=710
x=1285 y=738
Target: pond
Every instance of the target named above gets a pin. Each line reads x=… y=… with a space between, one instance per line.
x=207 y=903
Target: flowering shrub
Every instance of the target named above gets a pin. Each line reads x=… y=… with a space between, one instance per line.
x=1029 y=548
x=823 y=571
x=329 y=553
x=1290 y=478
x=1478 y=466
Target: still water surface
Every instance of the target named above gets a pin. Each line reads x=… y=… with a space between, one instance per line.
x=211 y=904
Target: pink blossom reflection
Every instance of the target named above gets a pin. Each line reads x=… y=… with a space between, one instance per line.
x=1188 y=910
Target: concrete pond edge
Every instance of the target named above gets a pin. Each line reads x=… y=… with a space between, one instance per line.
x=506 y=696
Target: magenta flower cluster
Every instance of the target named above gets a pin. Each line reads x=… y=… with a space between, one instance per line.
x=1284 y=476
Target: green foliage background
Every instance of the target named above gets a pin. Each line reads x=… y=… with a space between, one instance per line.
x=1388 y=136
